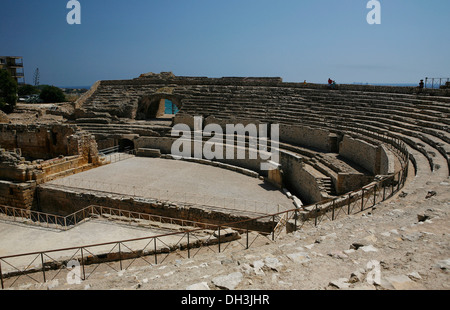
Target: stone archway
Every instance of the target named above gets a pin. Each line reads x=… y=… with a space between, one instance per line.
x=126 y=145
x=153 y=106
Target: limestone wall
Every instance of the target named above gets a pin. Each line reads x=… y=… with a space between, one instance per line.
x=36 y=142
x=306 y=136
x=376 y=159
x=18 y=195
x=64 y=201
x=295 y=175
x=41 y=171
x=268 y=82
x=359 y=152
x=48 y=141
x=48 y=149
x=164 y=144
x=347 y=182
x=299 y=179
x=386 y=161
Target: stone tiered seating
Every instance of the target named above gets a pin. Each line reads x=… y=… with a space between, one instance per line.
x=420 y=121
x=120 y=129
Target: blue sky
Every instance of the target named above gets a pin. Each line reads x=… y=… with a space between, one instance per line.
x=292 y=39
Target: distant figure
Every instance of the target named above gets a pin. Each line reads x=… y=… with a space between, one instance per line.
x=304 y=82
x=330 y=81
x=333 y=84
x=421 y=84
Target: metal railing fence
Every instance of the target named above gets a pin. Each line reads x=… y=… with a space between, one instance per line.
x=64 y=223
x=435 y=82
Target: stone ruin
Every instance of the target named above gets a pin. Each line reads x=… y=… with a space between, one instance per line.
x=33 y=155
x=332 y=141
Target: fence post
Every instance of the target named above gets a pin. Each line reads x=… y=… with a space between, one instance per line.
x=219 y=239
x=349 y=204
x=273 y=229
x=332 y=213
x=120 y=257
x=188 y=247
x=43 y=266
x=384 y=191
x=156 y=260
x=315 y=217
x=295 y=220
x=82 y=264
x=374 y=195
x=1 y=275
x=362 y=200
x=247 y=236
x=392 y=185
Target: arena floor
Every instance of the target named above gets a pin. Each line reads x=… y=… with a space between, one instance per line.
x=182 y=181
x=219 y=185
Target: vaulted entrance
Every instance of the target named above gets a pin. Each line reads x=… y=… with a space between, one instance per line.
x=158 y=106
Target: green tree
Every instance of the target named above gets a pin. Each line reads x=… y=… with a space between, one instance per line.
x=52 y=94
x=8 y=92
x=27 y=89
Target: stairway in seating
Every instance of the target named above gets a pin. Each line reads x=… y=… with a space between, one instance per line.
x=327 y=184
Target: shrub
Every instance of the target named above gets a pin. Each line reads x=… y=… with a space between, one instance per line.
x=52 y=94
x=27 y=90
x=8 y=92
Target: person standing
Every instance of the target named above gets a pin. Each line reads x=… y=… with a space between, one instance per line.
x=333 y=84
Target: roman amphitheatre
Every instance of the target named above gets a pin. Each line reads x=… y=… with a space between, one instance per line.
x=358 y=199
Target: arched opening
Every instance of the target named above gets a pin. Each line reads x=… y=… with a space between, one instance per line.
x=126 y=145
x=159 y=106
x=170 y=108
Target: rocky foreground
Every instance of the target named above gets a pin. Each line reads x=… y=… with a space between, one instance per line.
x=402 y=244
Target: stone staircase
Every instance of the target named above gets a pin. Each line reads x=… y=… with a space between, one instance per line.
x=327 y=184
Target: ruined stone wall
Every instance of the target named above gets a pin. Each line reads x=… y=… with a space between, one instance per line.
x=164 y=144
x=37 y=142
x=306 y=136
x=299 y=179
x=347 y=182
x=18 y=195
x=15 y=169
x=359 y=152
x=64 y=201
x=386 y=160
x=376 y=159
x=48 y=141
x=38 y=154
